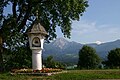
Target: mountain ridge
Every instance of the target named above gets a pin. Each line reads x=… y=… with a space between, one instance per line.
x=67 y=51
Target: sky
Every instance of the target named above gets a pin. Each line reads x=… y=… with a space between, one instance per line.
x=100 y=23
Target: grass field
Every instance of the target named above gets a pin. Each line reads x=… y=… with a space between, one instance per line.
x=70 y=75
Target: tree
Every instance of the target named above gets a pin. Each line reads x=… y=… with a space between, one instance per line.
x=51 y=63
x=51 y=14
x=88 y=58
x=1 y=17
x=113 y=58
x=1 y=57
x=18 y=58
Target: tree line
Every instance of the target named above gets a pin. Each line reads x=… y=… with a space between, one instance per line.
x=88 y=59
x=21 y=57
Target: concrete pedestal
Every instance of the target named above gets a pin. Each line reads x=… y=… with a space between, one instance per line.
x=36 y=59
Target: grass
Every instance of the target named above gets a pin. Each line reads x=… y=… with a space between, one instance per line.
x=70 y=75
x=8 y=76
x=88 y=75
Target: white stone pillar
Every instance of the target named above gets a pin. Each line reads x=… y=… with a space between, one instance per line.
x=36 y=59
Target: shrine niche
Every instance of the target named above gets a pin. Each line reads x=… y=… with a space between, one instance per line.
x=36 y=42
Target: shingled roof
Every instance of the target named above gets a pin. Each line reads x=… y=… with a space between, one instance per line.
x=38 y=28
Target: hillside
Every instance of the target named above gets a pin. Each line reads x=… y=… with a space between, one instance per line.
x=65 y=51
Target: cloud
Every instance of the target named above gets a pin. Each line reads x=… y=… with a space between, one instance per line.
x=83 y=27
x=87 y=32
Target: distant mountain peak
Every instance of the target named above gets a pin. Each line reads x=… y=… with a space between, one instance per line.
x=61 y=39
x=98 y=42
x=60 y=42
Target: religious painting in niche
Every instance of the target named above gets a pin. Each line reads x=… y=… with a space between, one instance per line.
x=36 y=42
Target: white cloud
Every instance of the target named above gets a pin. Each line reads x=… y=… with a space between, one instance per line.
x=87 y=32
x=83 y=27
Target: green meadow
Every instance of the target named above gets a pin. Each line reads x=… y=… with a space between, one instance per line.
x=69 y=75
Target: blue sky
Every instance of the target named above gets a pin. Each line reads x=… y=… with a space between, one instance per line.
x=100 y=22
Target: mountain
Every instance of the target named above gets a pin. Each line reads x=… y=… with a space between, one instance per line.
x=60 y=43
x=104 y=48
x=65 y=51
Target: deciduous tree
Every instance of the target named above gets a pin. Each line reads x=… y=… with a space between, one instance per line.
x=88 y=59
x=51 y=14
x=114 y=58
x=51 y=63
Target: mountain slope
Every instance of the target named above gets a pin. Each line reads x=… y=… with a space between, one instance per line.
x=104 y=48
x=65 y=51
